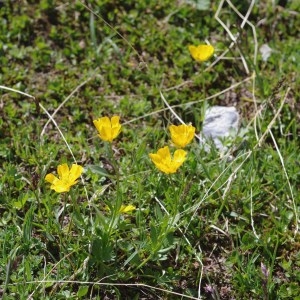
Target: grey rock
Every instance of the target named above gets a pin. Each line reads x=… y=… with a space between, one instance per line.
x=220 y=122
x=265 y=51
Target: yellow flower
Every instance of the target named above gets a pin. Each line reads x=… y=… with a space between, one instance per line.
x=165 y=163
x=201 y=52
x=66 y=179
x=182 y=135
x=108 y=129
x=126 y=209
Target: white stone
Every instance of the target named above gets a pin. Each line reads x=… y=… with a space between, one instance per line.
x=220 y=122
x=265 y=51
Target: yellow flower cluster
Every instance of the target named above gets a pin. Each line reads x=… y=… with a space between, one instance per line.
x=181 y=136
x=108 y=129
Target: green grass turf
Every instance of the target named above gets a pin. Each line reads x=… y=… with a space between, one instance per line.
x=225 y=226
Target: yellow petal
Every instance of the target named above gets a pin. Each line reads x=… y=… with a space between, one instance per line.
x=60 y=187
x=75 y=172
x=164 y=153
x=180 y=156
x=51 y=178
x=97 y=124
x=101 y=122
x=105 y=133
x=126 y=208
x=63 y=171
x=115 y=121
x=104 y=121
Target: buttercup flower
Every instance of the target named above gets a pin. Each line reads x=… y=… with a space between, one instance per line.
x=108 y=129
x=126 y=209
x=201 y=52
x=165 y=163
x=66 y=179
x=182 y=135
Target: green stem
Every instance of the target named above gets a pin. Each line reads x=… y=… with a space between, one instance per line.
x=64 y=210
x=75 y=209
x=118 y=203
x=175 y=207
x=112 y=160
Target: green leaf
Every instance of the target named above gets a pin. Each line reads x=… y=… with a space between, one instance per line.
x=82 y=291
x=20 y=202
x=154 y=233
x=27 y=228
x=199 y=4
x=97 y=170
